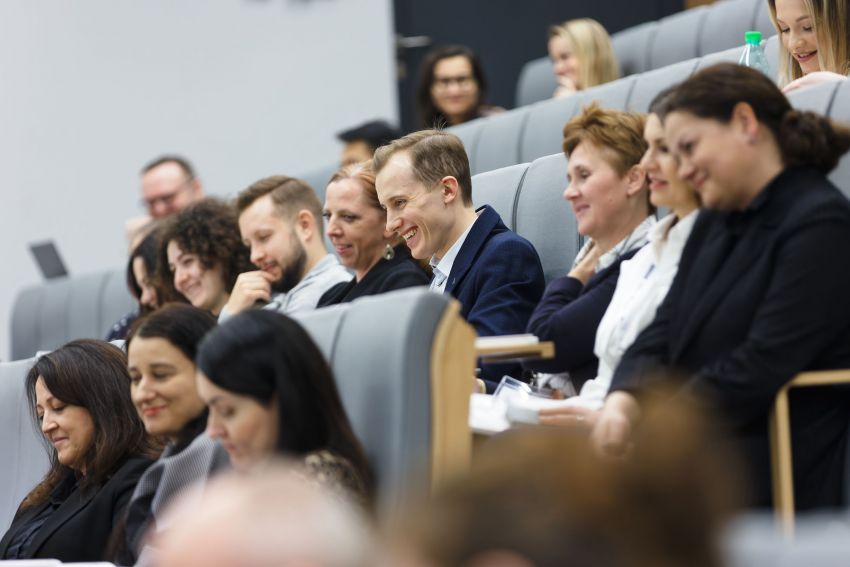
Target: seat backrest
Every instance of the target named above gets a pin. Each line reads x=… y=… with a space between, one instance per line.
x=649 y=84
x=725 y=24
x=771 y=53
x=499 y=140
x=468 y=132
x=762 y=21
x=543 y=132
x=402 y=362
x=677 y=37
x=48 y=315
x=840 y=111
x=544 y=218
x=22 y=447
x=816 y=98
x=499 y=189
x=730 y=55
x=610 y=95
x=536 y=82
x=632 y=47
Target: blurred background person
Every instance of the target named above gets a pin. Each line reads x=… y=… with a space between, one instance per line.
x=582 y=55
x=452 y=88
x=201 y=254
x=98 y=450
x=357 y=228
x=270 y=392
x=360 y=142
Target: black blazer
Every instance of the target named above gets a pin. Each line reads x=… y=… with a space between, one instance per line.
x=762 y=295
x=80 y=528
x=387 y=275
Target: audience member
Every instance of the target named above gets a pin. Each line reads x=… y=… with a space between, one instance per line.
x=607 y=189
x=424 y=183
x=452 y=88
x=161 y=353
x=644 y=280
x=201 y=254
x=582 y=55
x=98 y=450
x=141 y=281
x=269 y=391
x=814 y=44
x=169 y=185
x=759 y=295
x=280 y=219
x=272 y=517
x=357 y=227
x=541 y=498
x=361 y=141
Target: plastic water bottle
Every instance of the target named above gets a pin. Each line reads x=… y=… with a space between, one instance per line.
x=753 y=55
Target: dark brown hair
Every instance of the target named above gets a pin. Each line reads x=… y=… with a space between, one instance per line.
x=434 y=154
x=208 y=228
x=804 y=138
x=429 y=115
x=91 y=374
x=288 y=194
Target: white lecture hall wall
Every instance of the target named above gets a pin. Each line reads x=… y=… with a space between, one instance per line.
x=90 y=90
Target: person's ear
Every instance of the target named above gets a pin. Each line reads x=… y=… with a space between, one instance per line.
x=745 y=122
x=450 y=189
x=635 y=180
x=305 y=225
x=197 y=189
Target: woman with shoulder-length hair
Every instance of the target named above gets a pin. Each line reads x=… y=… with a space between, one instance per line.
x=270 y=391
x=760 y=294
x=582 y=55
x=357 y=228
x=452 y=88
x=98 y=451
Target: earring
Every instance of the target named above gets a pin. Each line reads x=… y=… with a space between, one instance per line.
x=389 y=253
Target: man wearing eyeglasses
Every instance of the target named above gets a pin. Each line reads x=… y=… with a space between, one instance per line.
x=169 y=185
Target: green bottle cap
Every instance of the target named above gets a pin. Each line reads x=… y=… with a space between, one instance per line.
x=752 y=37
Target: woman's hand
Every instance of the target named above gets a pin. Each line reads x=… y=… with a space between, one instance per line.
x=611 y=436
x=568 y=416
x=585 y=269
x=566 y=87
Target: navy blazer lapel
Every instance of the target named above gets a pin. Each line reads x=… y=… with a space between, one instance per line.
x=487 y=220
x=72 y=506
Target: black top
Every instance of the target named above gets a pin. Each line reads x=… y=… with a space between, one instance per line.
x=387 y=275
x=760 y=296
x=79 y=528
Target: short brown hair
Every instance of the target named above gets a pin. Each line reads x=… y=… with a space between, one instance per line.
x=618 y=132
x=288 y=194
x=435 y=154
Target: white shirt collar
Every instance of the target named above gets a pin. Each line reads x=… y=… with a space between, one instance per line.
x=442 y=267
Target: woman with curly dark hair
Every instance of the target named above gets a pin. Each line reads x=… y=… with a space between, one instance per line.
x=201 y=253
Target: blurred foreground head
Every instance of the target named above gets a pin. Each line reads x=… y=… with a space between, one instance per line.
x=273 y=515
x=541 y=498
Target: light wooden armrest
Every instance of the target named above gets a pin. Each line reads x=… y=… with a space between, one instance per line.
x=780 y=442
x=515 y=347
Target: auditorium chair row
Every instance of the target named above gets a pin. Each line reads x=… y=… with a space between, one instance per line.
x=692 y=33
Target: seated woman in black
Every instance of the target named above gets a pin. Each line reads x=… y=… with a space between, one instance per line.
x=98 y=452
x=762 y=288
x=357 y=228
x=608 y=192
x=270 y=391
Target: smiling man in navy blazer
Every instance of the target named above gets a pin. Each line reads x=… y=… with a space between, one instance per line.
x=423 y=181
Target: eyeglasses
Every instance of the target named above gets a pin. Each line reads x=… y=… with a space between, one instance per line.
x=168 y=199
x=462 y=82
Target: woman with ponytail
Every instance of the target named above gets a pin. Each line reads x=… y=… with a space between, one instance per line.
x=270 y=392
x=762 y=288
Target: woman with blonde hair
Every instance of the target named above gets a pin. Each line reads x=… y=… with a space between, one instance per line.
x=582 y=55
x=814 y=44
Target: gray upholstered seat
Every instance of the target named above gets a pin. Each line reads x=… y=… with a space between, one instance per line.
x=610 y=95
x=403 y=363
x=318 y=179
x=762 y=21
x=632 y=47
x=771 y=52
x=816 y=98
x=468 y=133
x=725 y=24
x=545 y=218
x=24 y=454
x=840 y=111
x=543 y=132
x=499 y=140
x=676 y=38
x=536 y=82
x=651 y=83
x=48 y=315
x=730 y=55
x=499 y=189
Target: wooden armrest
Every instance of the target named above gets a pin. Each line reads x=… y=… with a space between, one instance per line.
x=515 y=347
x=780 y=442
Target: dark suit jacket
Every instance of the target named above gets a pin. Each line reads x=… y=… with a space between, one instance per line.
x=762 y=295
x=498 y=279
x=387 y=275
x=80 y=528
x=568 y=315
